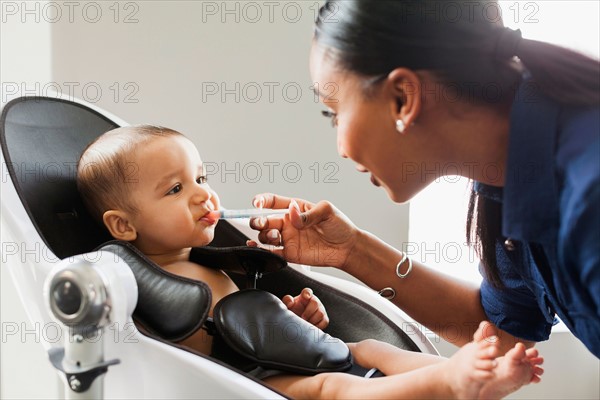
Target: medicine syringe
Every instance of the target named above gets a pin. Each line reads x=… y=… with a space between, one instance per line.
x=249 y=213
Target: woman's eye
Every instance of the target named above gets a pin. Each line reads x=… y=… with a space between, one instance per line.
x=202 y=179
x=331 y=115
x=176 y=189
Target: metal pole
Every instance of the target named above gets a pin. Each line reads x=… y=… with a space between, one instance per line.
x=84 y=351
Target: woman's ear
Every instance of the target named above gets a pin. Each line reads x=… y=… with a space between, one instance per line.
x=406 y=89
x=119 y=225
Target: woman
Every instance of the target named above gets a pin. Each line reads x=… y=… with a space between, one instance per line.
x=420 y=86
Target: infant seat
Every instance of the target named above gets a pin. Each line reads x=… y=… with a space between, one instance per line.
x=42 y=139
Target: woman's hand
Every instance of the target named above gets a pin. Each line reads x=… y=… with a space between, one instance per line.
x=311 y=234
x=308 y=307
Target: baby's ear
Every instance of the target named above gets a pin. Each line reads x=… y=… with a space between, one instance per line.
x=119 y=225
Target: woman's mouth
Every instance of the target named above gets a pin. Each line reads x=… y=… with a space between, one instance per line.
x=374 y=181
x=363 y=169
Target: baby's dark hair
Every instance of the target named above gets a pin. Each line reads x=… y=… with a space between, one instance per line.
x=106 y=169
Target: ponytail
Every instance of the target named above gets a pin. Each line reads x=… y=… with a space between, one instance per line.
x=372 y=38
x=563 y=75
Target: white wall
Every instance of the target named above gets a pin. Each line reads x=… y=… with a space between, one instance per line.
x=25 y=60
x=25 y=53
x=264 y=124
x=174 y=58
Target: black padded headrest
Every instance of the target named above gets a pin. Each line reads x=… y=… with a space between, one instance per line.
x=42 y=139
x=169 y=306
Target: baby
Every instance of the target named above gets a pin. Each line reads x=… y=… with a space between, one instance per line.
x=147 y=186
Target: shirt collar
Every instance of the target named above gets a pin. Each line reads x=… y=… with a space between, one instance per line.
x=530 y=195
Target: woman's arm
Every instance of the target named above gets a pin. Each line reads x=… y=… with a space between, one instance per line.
x=320 y=235
x=448 y=306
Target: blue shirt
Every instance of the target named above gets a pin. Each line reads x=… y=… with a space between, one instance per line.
x=551 y=217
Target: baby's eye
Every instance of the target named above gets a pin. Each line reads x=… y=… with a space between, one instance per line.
x=202 y=179
x=176 y=189
x=332 y=115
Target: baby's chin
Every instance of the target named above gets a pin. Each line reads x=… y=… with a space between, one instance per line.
x=204 y=238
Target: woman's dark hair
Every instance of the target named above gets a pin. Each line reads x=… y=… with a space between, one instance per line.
x=467 y=48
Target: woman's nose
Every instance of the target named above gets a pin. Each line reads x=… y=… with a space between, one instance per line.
x=341 y=150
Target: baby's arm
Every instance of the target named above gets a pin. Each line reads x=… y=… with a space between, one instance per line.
x=308 y=306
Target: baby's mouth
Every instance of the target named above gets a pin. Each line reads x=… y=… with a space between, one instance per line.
x=211 y=217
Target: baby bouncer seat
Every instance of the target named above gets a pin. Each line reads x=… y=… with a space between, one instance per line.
x=97 y=292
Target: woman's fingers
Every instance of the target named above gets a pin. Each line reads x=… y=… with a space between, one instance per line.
x=270 y=200
x=303 y=214
x=312 y=214
x=275 y=201
x=269 y=229
x=264 y=223
x=271 y=236
x=307 y=226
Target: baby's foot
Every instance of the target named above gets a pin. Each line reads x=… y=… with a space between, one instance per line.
x=485 y=331
x=472 y=366
x=517 y=368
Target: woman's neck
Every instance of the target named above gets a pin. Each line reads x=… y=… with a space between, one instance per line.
x=477 y=140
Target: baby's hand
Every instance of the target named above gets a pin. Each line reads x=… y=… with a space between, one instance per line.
x=308 y=306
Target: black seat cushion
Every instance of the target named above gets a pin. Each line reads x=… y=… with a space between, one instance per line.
x=257 y=325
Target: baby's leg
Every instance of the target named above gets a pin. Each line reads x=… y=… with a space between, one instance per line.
x=461 y=376
x=458 y=378
x=517 y=368
x=389 y=359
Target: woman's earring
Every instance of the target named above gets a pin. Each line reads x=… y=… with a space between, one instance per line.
x=400 y=127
